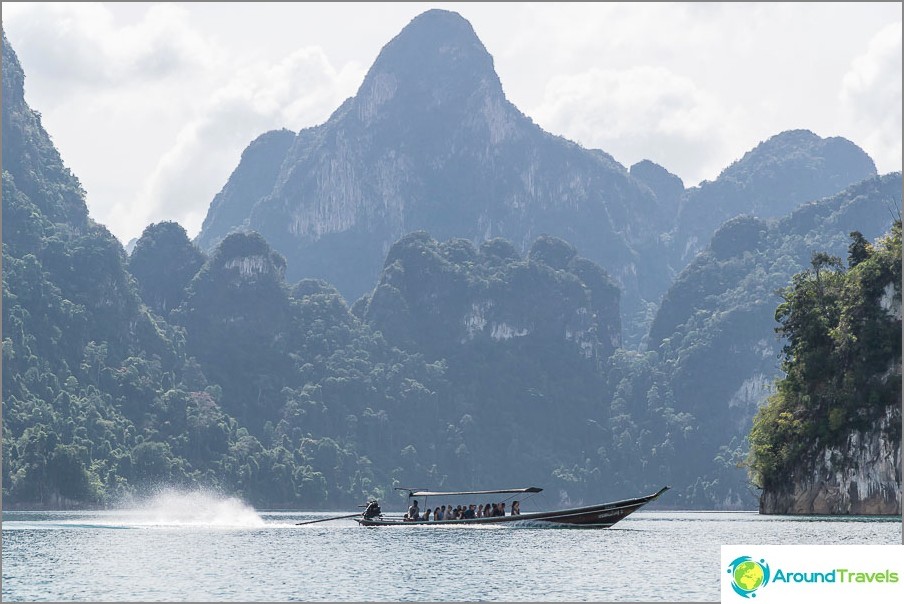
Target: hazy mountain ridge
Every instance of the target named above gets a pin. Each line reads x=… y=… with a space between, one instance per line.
x=431 y=143
x=779 y=174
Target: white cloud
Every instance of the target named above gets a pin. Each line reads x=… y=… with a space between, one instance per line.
x=871 y=98
x=76 y=45
x=301 y=90
x=639 y=113
x=164 y=108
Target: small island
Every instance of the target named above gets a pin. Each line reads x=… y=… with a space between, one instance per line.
x=829 y=440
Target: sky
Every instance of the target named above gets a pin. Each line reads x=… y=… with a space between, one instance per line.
x=152 y=104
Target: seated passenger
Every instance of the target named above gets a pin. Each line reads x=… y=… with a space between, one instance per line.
x=436 y=515
x=470 y=512
x=414 y=512
x=516 y=509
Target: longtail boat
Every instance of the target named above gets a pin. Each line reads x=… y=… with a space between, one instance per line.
x=602 y=515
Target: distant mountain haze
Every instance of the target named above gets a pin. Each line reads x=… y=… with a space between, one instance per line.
x=430 y=142
x=787 y=170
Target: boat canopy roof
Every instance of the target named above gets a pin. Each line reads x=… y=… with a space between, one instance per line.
x=416 y=493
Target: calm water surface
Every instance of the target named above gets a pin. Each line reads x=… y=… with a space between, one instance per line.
x=229 y=552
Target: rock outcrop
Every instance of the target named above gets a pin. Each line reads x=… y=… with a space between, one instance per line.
x=860 y=477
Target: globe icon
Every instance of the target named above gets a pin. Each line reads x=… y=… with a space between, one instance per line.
x=748 y=575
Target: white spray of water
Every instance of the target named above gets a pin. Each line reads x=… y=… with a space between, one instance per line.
x=171 y=507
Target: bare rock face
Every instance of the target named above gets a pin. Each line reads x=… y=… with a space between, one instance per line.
x=867 y=482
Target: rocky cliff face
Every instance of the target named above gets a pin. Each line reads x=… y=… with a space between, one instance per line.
x=861 y=476
x=430 y=143
x=252 y=179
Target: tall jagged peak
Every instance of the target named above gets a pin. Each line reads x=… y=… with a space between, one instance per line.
x=436 y=62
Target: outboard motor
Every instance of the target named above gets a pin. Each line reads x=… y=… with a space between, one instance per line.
x=373 y=510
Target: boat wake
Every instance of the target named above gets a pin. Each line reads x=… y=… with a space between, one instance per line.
x=174 y=508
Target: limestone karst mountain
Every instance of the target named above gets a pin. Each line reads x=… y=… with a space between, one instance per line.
x=430 y=142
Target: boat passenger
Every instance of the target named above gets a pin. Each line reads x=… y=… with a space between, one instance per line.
x=502 y=509
x=414 y=512
x=437 y=515
x=516 y=508
x=373 y=510
x=442 y=513
x=480 y=511
x=426 y=514
x=470 y=512
x=487 y=511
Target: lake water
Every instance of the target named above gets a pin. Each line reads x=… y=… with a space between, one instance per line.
x=204 y=549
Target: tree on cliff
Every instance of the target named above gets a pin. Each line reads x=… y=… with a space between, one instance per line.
x=842 y=358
